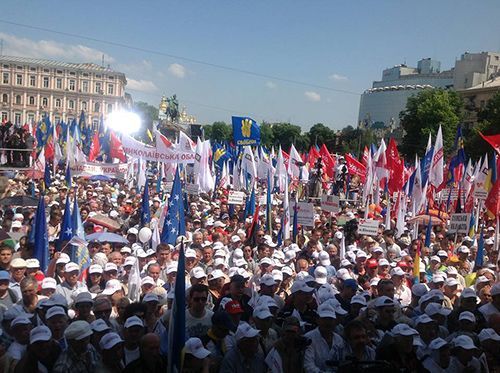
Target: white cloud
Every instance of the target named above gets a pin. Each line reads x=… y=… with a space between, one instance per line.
x=51 y=49
x=312 y=96
x=177 y=70
x=270 y=85
x=141 y=85
x=337 y=77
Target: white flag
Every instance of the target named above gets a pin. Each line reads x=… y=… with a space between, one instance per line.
x=437 y=167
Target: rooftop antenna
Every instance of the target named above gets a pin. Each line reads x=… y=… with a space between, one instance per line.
x=102 y=60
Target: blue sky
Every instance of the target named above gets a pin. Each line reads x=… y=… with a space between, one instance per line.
x=341 y=45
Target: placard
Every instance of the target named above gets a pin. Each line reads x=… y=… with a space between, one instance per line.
x=193 y=189
x=368 y=227
x=459 y=223
x=235 y=198
x=305 y=213
x=330 y=203
x=480 y=193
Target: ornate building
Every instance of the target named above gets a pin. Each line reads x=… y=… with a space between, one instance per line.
x=30 y=88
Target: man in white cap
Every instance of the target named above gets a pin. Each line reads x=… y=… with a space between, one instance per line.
x=245 y=356
x=111 y=346
x=463 y=359
x=80 y=355
x=71 y=283
x=325 y=343
x=493 y=307
x=20 y=329
x=42 y=353
x=195 y=356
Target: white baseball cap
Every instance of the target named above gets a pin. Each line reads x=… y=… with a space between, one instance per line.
x=215 y=274
x=190 y=253
x=320 y=275
x=197 y=273
x=99 y=325
x=325 y=310
x=112 y=286
x=466 y=315
x=464 y=342
x=245 y=331
x=404 y=330
x=148 y=280
x=487 y=334
x=109 y=340
x=133 y=321
x=301 y=286
x=71 y=267
x=63 y=259
x=32 y=263
x=267 y=280
x=194 y=347
x=49 y=283
x=95 y=268
x=383 y=262
x=110 y=267
x=262 y=312
x=397 y=271
x=40 y=334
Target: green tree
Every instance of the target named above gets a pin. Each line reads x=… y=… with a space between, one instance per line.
x=218 y=131
x=423 y=115
x=286 y=134
x=266 y=134
x=488 y=124
x=320 y=134
x=354 y=140
x=148 y=114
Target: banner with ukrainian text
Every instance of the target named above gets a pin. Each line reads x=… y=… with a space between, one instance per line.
x=113 y=170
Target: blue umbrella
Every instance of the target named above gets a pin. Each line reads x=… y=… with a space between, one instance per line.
x=106 y=237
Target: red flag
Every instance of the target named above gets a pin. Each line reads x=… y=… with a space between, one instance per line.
x=395 y=166
x=492 y=202
x=493 y=140
x=328 y=161
x=313 y=156
x=95 y=147
x=116 y=148
x=49 y=150
x=354 y=167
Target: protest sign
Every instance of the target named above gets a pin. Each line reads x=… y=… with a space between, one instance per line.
x=235 y=198
x=330 y=203
x=193 y=189
x=305 y=213
x=368 y=227
x=459 y=223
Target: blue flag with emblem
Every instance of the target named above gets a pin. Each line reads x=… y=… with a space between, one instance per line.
x=246 y=131
x=66 y=228
x=177 y=330
x=145 y=213
x=174 y=224
x=46 y=176
x=82 y=256
x=41 y=251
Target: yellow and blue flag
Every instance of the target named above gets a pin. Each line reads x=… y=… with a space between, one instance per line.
x=246 y=131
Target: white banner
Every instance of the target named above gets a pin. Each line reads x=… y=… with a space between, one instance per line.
x=137 y=149
x=235 y=198
x=459 y=223
x=116 y=170
x=305 y=213
x=330 y=203
x=193 y=189
x=368 y=227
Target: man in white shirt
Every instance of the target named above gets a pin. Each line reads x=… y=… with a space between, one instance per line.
x=133 y=330
x=20 y=329
x=401 y=292
x=325 y=343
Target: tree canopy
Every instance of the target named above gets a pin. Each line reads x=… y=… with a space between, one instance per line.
x=424 y=113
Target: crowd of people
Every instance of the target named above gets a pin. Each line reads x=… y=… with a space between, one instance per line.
x=20 y=140
x=326 y=300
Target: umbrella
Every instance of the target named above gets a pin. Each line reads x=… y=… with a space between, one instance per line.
x=25 y=201
x=106 y=237
x=424 y=220
x=104 y=221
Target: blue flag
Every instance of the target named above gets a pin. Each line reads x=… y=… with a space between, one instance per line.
x=177 y=330
x=174 y=224
x=46 y=176
x=480 y=252
x=246 y=131
x=295 y=226
x=41 y=251
x=428 y=233
x=145 y=213
x=269 y=223
x=67 y=224
x=82 y=256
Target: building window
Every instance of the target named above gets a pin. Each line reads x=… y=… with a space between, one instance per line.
x=32 y=100
x=95 y=123
x=57 y=119
x=58 y=103
x=31 y=118
x=5 y=78
x=59 y=72
x=19 y=79
x=110 y=108
x=72 y=73
x=46 y=82
x=84 y=105
x=45 y=101
x=5 y=98
x=85 y=74
x=72 y=85
x=32 y=68
x=85 y=86
x=4 y=115
x=71 y=104
x=97 y=87
x=6 y=66
x=97 y=107
x=19 y=67
x=46 y=70
x=17 y=118
x=32 y=80
x=58 y=83
x=111 y=89
x=19 y=100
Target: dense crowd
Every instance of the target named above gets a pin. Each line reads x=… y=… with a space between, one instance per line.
x=333 y=300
